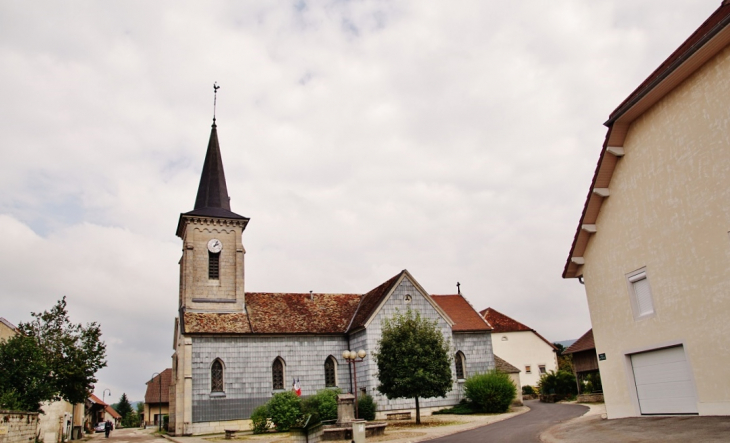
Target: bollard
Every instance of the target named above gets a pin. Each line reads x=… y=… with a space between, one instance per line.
x=358 y=431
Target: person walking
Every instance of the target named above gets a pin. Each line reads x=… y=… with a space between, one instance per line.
x=107 y=428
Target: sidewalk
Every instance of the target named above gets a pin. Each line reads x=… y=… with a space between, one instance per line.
x=593 y=427
x=397 y=431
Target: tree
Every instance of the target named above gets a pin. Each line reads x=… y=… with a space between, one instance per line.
x=565 y=362
x=67 y=355
x=123 y=407
x=23 y=384
x=414 y=359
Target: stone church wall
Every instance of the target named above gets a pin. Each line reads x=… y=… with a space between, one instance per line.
x=476 y=348
x=247 y=370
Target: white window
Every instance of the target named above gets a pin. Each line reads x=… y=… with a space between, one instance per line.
x=542 y=369
x=640 y=292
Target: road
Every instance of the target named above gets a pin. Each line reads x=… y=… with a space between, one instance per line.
x=524 y=428
x=131 y=435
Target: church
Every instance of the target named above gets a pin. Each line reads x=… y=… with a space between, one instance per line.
x=234 y=349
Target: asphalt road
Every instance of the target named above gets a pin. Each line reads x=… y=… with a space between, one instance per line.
x=131 y=435
x=524 y=428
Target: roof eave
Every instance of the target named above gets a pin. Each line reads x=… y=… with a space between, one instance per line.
x=709 y=45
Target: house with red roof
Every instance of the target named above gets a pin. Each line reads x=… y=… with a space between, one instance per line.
x=521 y=346
x=233 y=350
x=157 y=398
x=651 y=244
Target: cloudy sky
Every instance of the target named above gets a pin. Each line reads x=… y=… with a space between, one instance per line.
x=453 y=139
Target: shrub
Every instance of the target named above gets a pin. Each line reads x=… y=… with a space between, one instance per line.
x=260 y=419
x=528 y=390
x=284 y=409
x=490 y=392
x=463 y=408
x=366 y=407
x=561 y=383
x=322 y=405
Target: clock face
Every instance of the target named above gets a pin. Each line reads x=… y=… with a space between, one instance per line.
x=215 y=246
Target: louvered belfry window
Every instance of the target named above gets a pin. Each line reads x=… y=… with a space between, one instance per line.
x=277 y=374
x=216 y=377
x=330 y=379
x=459 y=361
x=213 y=266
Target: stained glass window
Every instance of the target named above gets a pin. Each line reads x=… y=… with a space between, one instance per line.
x=277 y=374
x=459 y=360
x=216 y=377
x=330 y=379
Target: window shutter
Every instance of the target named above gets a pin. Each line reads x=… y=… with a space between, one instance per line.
x=643 y=295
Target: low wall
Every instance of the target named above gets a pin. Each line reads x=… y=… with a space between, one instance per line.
x=590 y=398
x=217 y=427
x=18 y=427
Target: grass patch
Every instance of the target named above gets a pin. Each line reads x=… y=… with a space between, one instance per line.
x=424 y=424
x=460 y=409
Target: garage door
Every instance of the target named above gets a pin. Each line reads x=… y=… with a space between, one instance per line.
x=663 y=382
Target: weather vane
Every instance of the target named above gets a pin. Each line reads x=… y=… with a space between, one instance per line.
x=458 y=287
x=215 y=97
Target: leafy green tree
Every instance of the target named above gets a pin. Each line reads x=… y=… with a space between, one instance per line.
x=414 y=360
x=565 y=362
x=123 y=407
x=71 y=354
x=140 y=408
x=24 y=375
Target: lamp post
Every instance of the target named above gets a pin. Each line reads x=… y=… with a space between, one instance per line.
x=159 y=402
x=103 y=396
x=352 y=358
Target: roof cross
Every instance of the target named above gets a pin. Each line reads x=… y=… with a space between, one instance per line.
x=215 y=97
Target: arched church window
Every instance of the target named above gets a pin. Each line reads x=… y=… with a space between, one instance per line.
x=213 y=259
x=216 y=376
x=277 y=373
x=330 y=372
x=460 y=362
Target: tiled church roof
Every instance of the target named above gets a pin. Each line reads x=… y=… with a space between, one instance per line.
x=300 y=313
x=216 y=323
x=304 y=313
x=465 y=318
x=504 y=366
x=371 y=301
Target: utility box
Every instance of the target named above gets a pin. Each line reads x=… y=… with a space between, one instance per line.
x=358 y=431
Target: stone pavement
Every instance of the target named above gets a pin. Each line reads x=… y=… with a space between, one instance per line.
x=593 y=427
x=397 y=432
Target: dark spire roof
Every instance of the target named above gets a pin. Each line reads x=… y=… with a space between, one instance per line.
x=212 y=192
x=212 y=199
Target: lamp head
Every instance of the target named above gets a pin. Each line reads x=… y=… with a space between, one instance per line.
x=361 y=353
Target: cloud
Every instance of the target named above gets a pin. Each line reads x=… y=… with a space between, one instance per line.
x=456 y=140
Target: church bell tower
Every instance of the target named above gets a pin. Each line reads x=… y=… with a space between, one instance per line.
x=212 y=263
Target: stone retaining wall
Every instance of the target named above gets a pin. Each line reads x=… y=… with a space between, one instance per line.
x=18 y=427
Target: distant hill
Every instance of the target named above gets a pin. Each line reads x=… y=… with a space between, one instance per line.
x=566 y=343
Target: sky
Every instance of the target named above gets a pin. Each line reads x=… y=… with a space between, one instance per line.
x=456 y=139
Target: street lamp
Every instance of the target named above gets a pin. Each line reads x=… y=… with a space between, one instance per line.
x=352 y=358
x=159 y=403
x=103 y=395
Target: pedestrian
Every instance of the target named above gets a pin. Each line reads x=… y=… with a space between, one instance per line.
x=107 y=428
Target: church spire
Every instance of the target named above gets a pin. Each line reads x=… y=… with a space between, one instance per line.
x=212 y=191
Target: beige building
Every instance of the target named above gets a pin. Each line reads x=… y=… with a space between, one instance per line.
x=7 y=329
x=652 y=245
x=157 y=398
x=521 y=346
